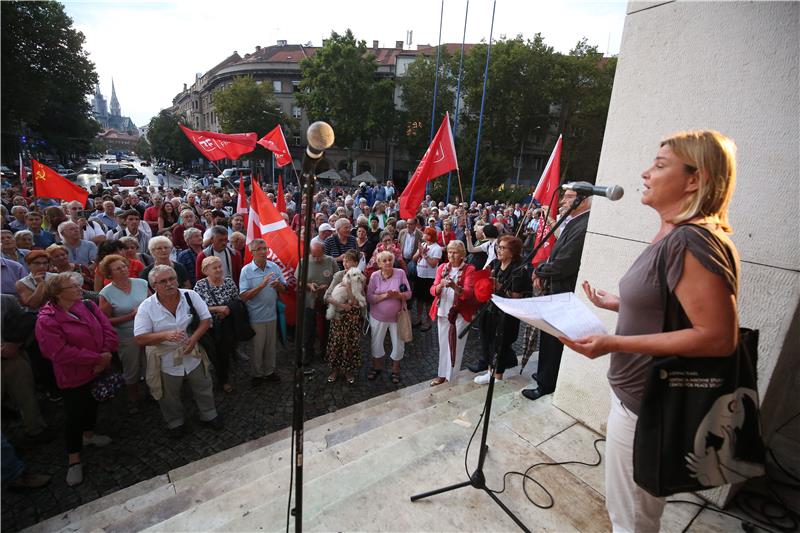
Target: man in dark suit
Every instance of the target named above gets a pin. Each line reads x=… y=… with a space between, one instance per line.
x=559 y=274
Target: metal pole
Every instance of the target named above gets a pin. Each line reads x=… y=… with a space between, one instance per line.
x=483 y=103
x=519 y=163
x=435 y=84
x=458 y=101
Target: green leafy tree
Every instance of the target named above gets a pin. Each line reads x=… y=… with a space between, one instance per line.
x=340 y=86
x=245 y=106
x=46 y=76
x=143 y=148
x=417 y=97
x=582 y=82
x=167 y=141
x=517 y=104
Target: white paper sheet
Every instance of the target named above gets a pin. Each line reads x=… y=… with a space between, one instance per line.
x=560 y=315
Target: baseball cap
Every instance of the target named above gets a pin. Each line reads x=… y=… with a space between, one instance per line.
x=325 y=227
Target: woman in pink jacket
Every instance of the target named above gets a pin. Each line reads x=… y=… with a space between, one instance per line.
x=78 y=338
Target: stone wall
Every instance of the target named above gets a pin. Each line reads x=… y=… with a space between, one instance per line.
x=729 y=66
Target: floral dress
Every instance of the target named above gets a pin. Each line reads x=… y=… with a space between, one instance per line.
x=344 y=350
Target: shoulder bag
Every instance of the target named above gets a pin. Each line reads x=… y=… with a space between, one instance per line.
x=699 y=425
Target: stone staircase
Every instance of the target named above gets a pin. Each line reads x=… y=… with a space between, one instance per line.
x=362 y=464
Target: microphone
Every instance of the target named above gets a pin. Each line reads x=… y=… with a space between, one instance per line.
x=320 y=138
x=612 y=192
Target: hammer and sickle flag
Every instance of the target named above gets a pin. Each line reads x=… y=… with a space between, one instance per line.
x=47 y=183
x=215 y=146
x=440 y=158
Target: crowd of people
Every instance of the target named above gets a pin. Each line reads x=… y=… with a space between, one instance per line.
x=154 y=283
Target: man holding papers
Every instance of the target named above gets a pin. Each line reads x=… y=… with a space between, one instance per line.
x=558 y=275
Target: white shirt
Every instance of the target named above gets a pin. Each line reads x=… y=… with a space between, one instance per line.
x=153 y=317
x=424 y=270
x=448 y=296
x=408 y=245
x=490 y=248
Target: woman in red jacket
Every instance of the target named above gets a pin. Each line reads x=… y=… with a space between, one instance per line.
x=78 y=338
x=453 y=306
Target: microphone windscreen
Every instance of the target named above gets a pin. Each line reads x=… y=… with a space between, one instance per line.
x=615 y=192
x=320 y=136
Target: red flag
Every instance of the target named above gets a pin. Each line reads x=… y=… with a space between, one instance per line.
x=439 y=158
x=280 y=201
x=547 y=191
x=241 y=203
x=267 y=223
x=23 y=177
x=275 y=142
x=47 y=183
x=216 y=146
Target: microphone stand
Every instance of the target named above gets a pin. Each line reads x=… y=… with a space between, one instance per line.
x=298 y=408
x=477 y=479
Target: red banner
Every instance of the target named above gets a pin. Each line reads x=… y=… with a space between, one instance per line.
x=215 y=146
x=275 y=142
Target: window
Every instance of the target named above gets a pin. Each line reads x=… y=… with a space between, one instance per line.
x=296 y=140
x=276 y=86
x=366 y=144
x=295 y=86
x=296 y=111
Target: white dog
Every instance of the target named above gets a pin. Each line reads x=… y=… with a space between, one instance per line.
x=351 y=288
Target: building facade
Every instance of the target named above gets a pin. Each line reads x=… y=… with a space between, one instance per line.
x=111 y=118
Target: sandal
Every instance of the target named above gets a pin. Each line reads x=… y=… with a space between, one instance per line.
x=437 y=381
x=332 y=378
x=350 y=379
x=374 y=373
x=395 y=377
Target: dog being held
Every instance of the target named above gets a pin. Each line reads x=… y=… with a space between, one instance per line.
x=351 y=289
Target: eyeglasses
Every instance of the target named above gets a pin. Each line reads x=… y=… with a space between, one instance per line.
x=40 y=263
x=166 y=281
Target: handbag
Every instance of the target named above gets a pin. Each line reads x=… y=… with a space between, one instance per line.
x=404 y=324
x=206 y=341
x=699 y=424
x=106 y=385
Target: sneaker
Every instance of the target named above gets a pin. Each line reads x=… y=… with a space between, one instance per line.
x=483 y=379
x=97 y=440
x=75 y=474
x=29 y=481
x=215 y=423
x=55 y=396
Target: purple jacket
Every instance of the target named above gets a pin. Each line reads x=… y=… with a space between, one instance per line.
x=74 y=345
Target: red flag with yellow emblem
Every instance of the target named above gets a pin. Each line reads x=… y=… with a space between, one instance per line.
x=47 y=183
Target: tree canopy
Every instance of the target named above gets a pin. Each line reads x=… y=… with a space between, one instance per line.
x=340 y=86
x=46 y=77
x=167 y=141
x=245 y=106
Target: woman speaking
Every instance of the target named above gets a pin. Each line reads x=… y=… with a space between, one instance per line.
x=689 y=185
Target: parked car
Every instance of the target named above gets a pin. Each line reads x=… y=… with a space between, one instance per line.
x=7 y=173
x=145 y=163
x=129 y=180
x=122 y=172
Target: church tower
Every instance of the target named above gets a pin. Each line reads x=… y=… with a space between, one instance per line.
x=99 y=106
x=115 y=110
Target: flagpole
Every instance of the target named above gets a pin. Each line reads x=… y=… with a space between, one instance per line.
x=460 y=189
x=458 y=102
x=272 y=162
x=435 y=83
x=483 y=104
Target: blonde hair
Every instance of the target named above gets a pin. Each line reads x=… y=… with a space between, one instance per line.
x=208 y=261
x=713 y=156
x=53 y=287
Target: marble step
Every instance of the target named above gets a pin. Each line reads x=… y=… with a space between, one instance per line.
x=372 y=493
x=249 y=487
x=390 y=452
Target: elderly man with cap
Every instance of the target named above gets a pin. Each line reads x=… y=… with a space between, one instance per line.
x=321 y=269
x=218 y=218
x=325 y=231
x=218 y=247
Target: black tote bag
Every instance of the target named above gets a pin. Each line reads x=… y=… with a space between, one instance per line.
x=699 y=425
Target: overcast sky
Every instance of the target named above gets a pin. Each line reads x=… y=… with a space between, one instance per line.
x=151 y=49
